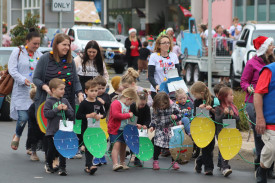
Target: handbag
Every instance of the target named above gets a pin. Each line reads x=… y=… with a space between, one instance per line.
x=6 y=80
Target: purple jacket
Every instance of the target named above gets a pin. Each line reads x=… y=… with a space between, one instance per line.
x=251 y=75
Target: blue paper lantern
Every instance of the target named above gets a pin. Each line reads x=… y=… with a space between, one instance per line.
x=131 y=137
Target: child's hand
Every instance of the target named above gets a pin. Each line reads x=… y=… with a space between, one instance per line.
x=202 y=106
x=226 y=110
x=151 y=129
x=101 y=100
x=180 y=123
x=174 y=117
x=139 y=126
x=144 y=127
x=208 y=107
x=59 y=107
x=231 y=112
x=91 y=115
x=131 y=114
x=98 y=116
x=64 y=107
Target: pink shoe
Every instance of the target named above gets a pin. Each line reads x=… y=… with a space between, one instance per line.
x=175 y=165
x=156 y=165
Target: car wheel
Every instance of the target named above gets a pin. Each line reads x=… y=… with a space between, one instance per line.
x=233 y=82
x=189 y=74
x=5 y=111
x=197 y=75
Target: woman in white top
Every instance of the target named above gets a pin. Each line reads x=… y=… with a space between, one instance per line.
x=90 y=64
x=160 y=62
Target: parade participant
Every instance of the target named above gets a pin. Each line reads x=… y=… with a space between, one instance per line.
x=45 y=39
x=142 y=111
x=160 y=62
x=250 y=76
x=21 y=65
x=90 y=108
x=204 y=99
x=202 y=29
x=226 y=110
x=143 y=57
x=170 y=32
x=161 y=122
x=53 y=108
x=116 y=86
x=90 y=64
x=118 y=116
x=132 y=45
x=150 y=44
x=235 y=30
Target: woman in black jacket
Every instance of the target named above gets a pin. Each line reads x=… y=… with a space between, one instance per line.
x=132 y=45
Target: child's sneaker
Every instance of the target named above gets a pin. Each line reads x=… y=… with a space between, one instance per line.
x=175 y=165
x=117 y=167
x=124 y=166
x=103 y=160
x=48 y=168
x=156 y=165
x=137 y=162
x=34 y=157
x=226 y=172
x=62 y=172
x=197 y=166
x=96 y=162
x=78 y=155
x=208 y=172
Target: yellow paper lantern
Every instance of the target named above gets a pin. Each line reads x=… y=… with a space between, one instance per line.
x=202 y=131
x=229 y=142
x=103 y=126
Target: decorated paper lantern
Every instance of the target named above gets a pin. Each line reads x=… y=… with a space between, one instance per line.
x=131 y=137
x=95 y=141
x=77 y=125
x=202 y=131
x=229 y=142
x=66 y=143
x=41 y=120
x=104 y=127
x=146 y=148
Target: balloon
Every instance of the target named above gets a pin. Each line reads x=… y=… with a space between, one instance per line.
x=95 y=141
x=77 y=125
x=229 y=142
x=202 y=131
x=131 y=137
x=66 y=143
x=103 y=126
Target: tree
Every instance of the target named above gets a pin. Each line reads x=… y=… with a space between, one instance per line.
x=19 y=33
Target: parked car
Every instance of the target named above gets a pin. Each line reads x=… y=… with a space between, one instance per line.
x=113 y=51
x=244 y=49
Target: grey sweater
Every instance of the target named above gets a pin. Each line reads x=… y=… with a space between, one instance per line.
x=53 y=115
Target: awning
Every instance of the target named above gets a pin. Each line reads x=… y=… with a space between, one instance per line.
x=85 y=12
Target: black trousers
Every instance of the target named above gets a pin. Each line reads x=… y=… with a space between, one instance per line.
x=157 y=151
x=52 y=153
x=133 y=62
x=89 y=158
x=206 y=158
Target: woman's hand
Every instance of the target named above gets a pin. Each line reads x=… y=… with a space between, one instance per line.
x=250 y=89
x=132 y=47
x=157 y=88
x=27 y=82
x=80 y=97
x=47 y=89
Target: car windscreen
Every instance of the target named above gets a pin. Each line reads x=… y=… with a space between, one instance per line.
x=266 y=33
x=4 y=58
x=97 y=35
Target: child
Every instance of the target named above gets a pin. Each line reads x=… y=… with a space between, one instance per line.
x=118 y=118
x=227 y=110
x=35 y=136
x=116 y=86
x=204 y=99
x=142 y=111
x=217 y=88
x=54 y=105
x=105 y=100
x=150 y=44
x=185 y=109
x=143 y=57
x=90 y=108
x=161 y=123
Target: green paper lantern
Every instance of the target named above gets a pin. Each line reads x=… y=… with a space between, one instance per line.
x=77 y=125
x=95 y=141
x=146 y=149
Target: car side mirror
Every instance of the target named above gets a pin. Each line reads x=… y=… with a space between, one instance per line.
x=241 y=43
x=118 y=39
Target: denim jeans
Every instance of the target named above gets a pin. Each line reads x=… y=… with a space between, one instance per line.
x=186 y=122
x=21 y=122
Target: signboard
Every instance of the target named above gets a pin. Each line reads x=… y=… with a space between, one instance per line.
x=62 y=5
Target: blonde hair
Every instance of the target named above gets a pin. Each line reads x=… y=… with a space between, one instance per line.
x=130 y=76
x=180 y=92
x=130 y=93
x=157 y=45
x=159 y=99
x=200 y=87
x=32 y=91
x=58 y=38
x=134 y=39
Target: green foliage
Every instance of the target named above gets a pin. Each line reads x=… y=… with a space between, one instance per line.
x=239 y=97
x=19 y=32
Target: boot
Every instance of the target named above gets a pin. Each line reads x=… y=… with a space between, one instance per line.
x=261 y=175
x=156 y=165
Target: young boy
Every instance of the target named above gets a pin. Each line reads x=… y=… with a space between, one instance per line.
x=150 y=44
x=90 y=108
x=143 y=57
x=53 y=109
x=116 y=86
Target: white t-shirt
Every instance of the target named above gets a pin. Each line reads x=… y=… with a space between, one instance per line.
x=162 y=65
x=232 y=31
x=206 y=36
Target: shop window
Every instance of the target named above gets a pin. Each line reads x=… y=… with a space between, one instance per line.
x=250 y=5
x=239 y=10
x=272 y=10
x=261 y=10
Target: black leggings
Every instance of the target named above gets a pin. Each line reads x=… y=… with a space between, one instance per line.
x=52 y=152
x=157 y=151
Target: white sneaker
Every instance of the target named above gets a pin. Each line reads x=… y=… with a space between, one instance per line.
x=226 y=172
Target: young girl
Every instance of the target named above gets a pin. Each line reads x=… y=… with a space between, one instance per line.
x=118 y=119
x=142 y=111
x=185 y=109
x=204 y=99
x=227 y=110
x=129 y=80
x=162 y=123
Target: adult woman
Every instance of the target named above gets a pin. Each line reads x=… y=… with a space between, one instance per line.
x=57 y=64
x=22 y=62
x=160 y=62
x=264 y=55
x=90 y=64
x=132 y=45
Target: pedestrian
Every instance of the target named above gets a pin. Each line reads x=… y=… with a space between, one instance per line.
x=160 y=62
x=249 y=79
x=90 y=108
x=132 y=45
x=202 y=29
x=45 y=40
x=116 y=84
x=90 y=64
x=170 y=32
x=151 y=44
x=205 y=35
x=235 y=30
x=55 y=107
x=118 y=119
x=142 y=111
x=204 y=100
x=226 y=110
x=161 y=122
x=143 y=57
x=21 y=65
x=176 y=48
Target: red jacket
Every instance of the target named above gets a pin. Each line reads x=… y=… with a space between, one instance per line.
x=115 y=117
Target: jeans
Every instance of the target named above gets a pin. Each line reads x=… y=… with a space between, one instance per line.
x=186 y=122
x=21 y=122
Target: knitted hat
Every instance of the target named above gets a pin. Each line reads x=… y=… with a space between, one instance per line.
x=261 y=44
x=115 y=82
x=151 y=39
x=132 y=30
